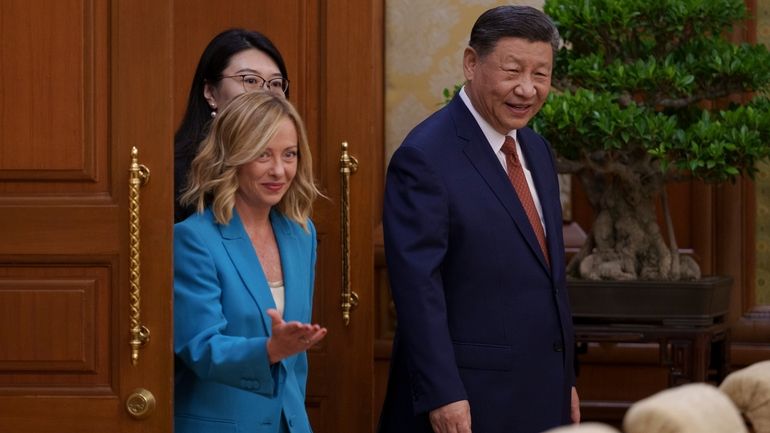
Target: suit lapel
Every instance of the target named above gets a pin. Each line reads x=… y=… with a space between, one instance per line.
x=480 y=155
x=244 y=258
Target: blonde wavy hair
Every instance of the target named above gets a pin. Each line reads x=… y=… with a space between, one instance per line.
x=238 y=135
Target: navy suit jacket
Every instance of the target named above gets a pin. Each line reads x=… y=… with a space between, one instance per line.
x=480 y=314
x=224 y=381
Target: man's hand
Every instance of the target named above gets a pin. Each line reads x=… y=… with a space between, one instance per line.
x=452 y=418
x=575 y=407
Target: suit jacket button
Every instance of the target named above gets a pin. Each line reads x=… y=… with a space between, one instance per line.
x=558 y=346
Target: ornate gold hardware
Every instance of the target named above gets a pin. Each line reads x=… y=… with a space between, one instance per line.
x=140 y=404
x=140 y=335
x=348 y=166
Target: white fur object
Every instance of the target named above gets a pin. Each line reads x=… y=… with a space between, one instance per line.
x=749 y=389
x=589 y=427
x=691 y=408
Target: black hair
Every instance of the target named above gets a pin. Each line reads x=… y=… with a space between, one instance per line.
x=512 y=21
x=213 y=61
x=197 y=118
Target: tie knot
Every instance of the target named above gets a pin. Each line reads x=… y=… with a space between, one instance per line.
x=509 y=150
x=509 y=146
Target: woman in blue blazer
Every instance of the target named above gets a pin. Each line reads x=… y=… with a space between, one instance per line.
x=243 y=274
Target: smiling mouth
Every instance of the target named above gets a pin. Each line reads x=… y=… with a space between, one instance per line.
x=273 y=186
x=518 y=107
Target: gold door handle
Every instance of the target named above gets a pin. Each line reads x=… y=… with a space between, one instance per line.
x=348 y=166
x=140 y=335
x=141 y=403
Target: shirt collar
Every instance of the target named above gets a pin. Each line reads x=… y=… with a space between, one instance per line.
x=494 y=138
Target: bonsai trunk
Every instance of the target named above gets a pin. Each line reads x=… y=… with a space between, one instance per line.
x=625 y=242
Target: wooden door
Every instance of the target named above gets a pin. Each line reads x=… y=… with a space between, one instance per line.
x=81 y=83
x=333 y=51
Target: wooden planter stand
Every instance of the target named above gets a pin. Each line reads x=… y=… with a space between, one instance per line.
x=686 y=303
x=685 y=320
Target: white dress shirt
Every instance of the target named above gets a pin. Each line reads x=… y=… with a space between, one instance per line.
x=495 y=140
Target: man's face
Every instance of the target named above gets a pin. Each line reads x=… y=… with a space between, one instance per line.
x=510 y=84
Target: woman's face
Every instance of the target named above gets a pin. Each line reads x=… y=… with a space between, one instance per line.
x=246 y=62
x=263 y=182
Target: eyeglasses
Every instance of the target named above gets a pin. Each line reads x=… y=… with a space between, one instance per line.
x=253 y=82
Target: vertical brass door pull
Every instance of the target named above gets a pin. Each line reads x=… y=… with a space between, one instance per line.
x=348 y=166
x=140 y=335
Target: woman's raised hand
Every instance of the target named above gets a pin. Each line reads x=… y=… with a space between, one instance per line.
x=289 y=338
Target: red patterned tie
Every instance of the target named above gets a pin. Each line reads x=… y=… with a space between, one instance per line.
x=519 y=181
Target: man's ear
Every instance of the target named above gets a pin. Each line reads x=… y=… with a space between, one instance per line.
x=470 y=62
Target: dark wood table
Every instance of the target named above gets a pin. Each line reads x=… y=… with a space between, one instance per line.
x=687 y=353
x=691 y=353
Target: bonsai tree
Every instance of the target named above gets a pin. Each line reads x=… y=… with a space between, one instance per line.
x=645 y=93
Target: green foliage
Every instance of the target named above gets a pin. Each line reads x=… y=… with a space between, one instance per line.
x=657 y=86
x=449 y=94
x=721 y=146
x=580 y=124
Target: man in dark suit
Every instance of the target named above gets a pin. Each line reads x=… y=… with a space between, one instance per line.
x=474 y=249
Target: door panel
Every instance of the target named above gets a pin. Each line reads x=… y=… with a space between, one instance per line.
x=352 y=101
x=81 y=82
x=333 y=53
x=58 y=307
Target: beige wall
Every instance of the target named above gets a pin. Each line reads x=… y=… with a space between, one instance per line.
x=425 y=40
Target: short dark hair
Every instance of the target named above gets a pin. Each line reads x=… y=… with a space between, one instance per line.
x=213 y=61
x=511 y=21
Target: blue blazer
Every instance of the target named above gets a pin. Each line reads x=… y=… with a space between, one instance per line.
x=223 y=379
x=480 y=314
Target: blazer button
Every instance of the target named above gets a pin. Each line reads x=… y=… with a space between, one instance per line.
x=558 y=346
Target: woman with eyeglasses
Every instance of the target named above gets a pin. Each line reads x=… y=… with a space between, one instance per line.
x=234 y=62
